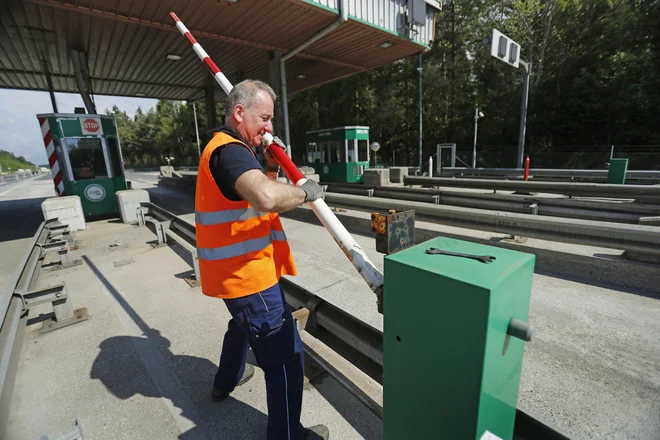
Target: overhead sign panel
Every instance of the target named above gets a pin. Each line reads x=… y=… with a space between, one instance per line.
x=505 y=49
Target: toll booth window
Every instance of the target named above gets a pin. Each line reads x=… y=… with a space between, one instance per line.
x=86 y=157
x=362 y=151
x=114 y=158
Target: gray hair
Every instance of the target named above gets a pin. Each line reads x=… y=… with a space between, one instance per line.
x=245 y=93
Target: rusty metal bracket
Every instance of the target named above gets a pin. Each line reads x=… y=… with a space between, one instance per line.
x=394 y=231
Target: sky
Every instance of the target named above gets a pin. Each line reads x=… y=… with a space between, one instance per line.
x=19 y=128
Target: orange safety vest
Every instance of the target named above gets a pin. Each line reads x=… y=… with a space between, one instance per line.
x=241 y=251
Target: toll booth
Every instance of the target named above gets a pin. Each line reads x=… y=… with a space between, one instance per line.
x=339 y=154
x=85 y=159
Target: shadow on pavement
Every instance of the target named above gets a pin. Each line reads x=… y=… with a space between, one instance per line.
x=132 y=365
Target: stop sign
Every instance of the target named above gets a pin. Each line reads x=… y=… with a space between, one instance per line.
x=91 y=125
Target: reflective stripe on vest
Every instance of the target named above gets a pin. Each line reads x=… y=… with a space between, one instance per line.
x=226 y=216
x=242 y=248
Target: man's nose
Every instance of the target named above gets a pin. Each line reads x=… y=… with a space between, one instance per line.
x=269 y=126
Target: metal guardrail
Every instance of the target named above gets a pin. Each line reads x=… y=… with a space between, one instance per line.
x=641 y=193
x=356 y=341
x=618 y=210
x=25 y=277
x=638 y=238
x=589 y=232
x=20 y=295
x=600 y=210
x=547 y=172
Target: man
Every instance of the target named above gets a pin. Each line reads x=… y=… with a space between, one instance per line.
x=243 y=252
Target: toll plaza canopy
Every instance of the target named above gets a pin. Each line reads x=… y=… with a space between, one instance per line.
x=132 y=47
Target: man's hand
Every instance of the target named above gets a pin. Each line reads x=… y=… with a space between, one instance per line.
x=277 y=143
x=312 y=190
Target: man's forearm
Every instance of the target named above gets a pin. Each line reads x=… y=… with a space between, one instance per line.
x=284 y=197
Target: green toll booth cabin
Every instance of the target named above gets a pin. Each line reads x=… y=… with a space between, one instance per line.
x=85 y=159
x=339 y=154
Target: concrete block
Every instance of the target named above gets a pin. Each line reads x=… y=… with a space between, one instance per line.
x=67 y=209
x=397 y=173
x=376 y=176
x=129 y=201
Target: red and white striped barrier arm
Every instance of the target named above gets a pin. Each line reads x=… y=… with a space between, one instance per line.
x=52 y=156
x=349 y=246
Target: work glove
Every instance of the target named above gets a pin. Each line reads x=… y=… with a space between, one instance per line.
x=312 y=190
x=277 y=143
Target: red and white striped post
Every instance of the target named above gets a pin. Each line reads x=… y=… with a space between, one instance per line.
x=349 y=246
x=52 y=156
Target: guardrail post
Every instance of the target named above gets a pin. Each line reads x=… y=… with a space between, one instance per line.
x=59 y=231
x=197 y=281
x=62 y=249
x=63 y=309
x=160 y=232
x=141 y=210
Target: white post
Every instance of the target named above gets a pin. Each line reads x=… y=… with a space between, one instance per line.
x=430 y=166
x=523 y=112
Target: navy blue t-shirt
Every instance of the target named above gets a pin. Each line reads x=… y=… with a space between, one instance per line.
x=228 y=163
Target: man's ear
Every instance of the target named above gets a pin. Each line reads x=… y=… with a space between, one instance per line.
x=239 y=112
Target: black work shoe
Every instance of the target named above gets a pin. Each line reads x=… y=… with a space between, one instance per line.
x=318 y=432
x=219 y=395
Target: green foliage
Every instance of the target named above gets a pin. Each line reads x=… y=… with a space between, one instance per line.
x=594 y=81
x=168 y=130
x=10 y=163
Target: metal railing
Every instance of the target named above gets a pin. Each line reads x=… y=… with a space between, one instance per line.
x=547 y=172
x=20 y=295
x=600 y=210
x=638 y=238
x=641 y=193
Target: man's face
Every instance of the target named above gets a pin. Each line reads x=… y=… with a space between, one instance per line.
x=256 y=120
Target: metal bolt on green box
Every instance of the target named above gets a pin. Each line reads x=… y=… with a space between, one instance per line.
x=451 y=370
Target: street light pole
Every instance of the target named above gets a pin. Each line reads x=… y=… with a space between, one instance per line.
x=474 y=147
x=419 y=69
x=199 y=152
x=523 y=113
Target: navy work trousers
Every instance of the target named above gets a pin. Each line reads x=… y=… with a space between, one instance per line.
x=264 y=321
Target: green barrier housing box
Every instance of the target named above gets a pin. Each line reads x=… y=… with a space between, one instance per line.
x=450 y=369
x=616 y=174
